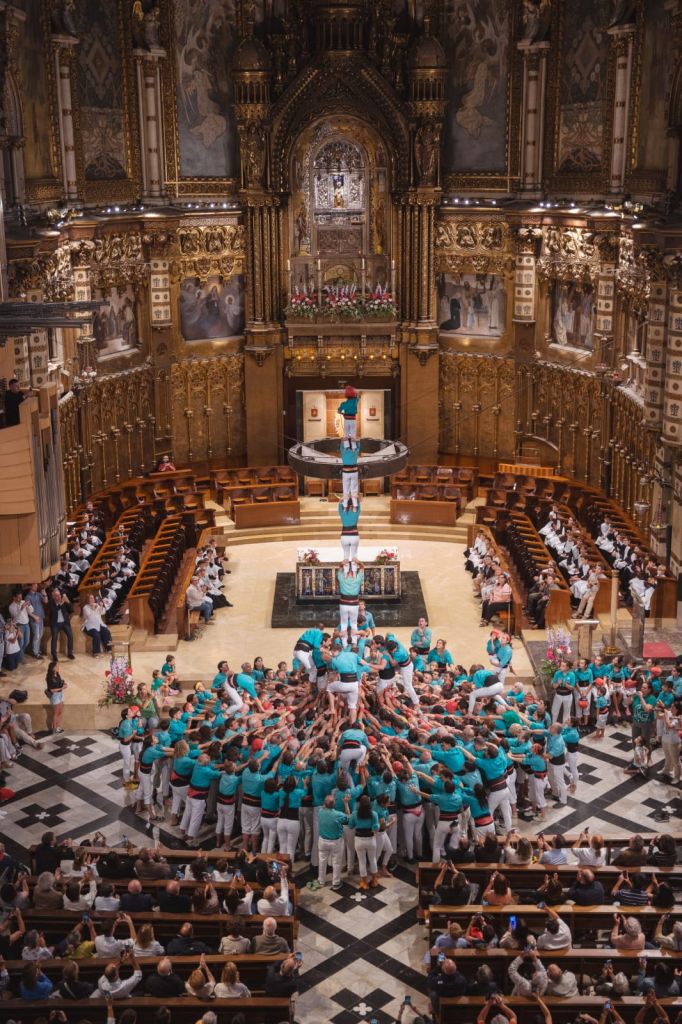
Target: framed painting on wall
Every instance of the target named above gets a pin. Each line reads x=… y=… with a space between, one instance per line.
x=473 y=305
x=114 y=325
x=572 y=312
x=212 y=310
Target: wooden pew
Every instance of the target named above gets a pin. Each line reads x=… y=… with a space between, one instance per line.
x=179 y=856
x=424 y=513
x=252 y=968
x=257 y=1010
x=516 y=616
x=579 y=919
x=141 y=614
x=271 y=513
x=56 y=924
x=563 y=1011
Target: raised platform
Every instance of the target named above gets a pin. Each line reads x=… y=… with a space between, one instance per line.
x=288 y=612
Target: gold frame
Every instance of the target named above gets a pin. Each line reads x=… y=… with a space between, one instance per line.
x=175 y=184
x=119 y=189
x=496 y=181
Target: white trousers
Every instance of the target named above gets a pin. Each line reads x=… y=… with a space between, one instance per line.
x=350 y=427
x=536 y=791
x=561 y=704
x=269 y=826
x=440 y=835
x=502 y=673
x=330 y=851
x=406 y=673
x=349 y=691
x=384 y=847
x=305 y=817
x=225 y=820
x=178 y=795
x=484 y=691
x=314 y=857
x=383 y=685
x=366 y=850
x=287 y=834
x=193 y=816
x=350 y=542
x=500 y=800
x=349 y=848
x=144 y=793
x=306 y=660
x=557 y=780
x=250 y=820
x=127 y=755
x=350 y=487
x=348 y=614
x=572 y=763
x=355 y=757
x=412 y=825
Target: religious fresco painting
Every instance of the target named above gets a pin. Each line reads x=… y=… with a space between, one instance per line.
x=472 y=304
x=212 y=310
x=584 y=69
x=114 y=326
x=206 y=38
x=477 y=48
x=101 y=87
x=572 y=310
x=35 y=96
x=657 y=62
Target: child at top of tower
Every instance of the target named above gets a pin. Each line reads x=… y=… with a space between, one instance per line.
x=349 y=411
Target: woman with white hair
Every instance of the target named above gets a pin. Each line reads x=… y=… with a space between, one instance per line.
x=627 y=933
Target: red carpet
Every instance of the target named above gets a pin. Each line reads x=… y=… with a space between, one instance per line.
x=658 y=650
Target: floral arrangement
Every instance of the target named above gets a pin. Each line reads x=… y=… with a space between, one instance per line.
x=119 y=685
x=380 y=303
x=311 y=557
x=558 y=647
x=303 y=302
x=341 y=302
x=386 y=555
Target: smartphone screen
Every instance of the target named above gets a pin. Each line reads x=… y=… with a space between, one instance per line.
x=512 y=922
x=441 y=958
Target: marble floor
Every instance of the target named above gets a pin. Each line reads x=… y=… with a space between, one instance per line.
x=73 y=786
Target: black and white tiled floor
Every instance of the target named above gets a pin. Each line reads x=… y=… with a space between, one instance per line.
x=362 y=952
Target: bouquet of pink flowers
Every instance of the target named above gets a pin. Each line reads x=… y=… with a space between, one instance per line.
x=381 y=303
x=311 y=557
x=342 y=301
x=558 y=645
x=386 y=555
x=303 y=302
x=119 y=685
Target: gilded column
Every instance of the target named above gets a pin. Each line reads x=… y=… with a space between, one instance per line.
x=606 y=283
x=151 y=126
x=65 y=49
x=533 y=115
x=622 y=38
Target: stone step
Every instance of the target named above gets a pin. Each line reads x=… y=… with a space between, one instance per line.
x=159 y=642
x=387 y=533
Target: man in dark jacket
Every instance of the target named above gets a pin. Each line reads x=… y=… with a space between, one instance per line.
x=164 y=983
x=184 y=943
x=59 y=613
x=48 y=855
x=586 y=891
x=281 y=981
x=172 y=901
x=134 y=900
x=444 y=982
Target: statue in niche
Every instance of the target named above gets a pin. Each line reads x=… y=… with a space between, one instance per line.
x=301 y=230
x=146 y=20
x=254 y=155
x=427 y=154
x=63 y=18
x=536 y=20
x=337 y=182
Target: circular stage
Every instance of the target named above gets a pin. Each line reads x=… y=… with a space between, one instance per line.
x=322 y=459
